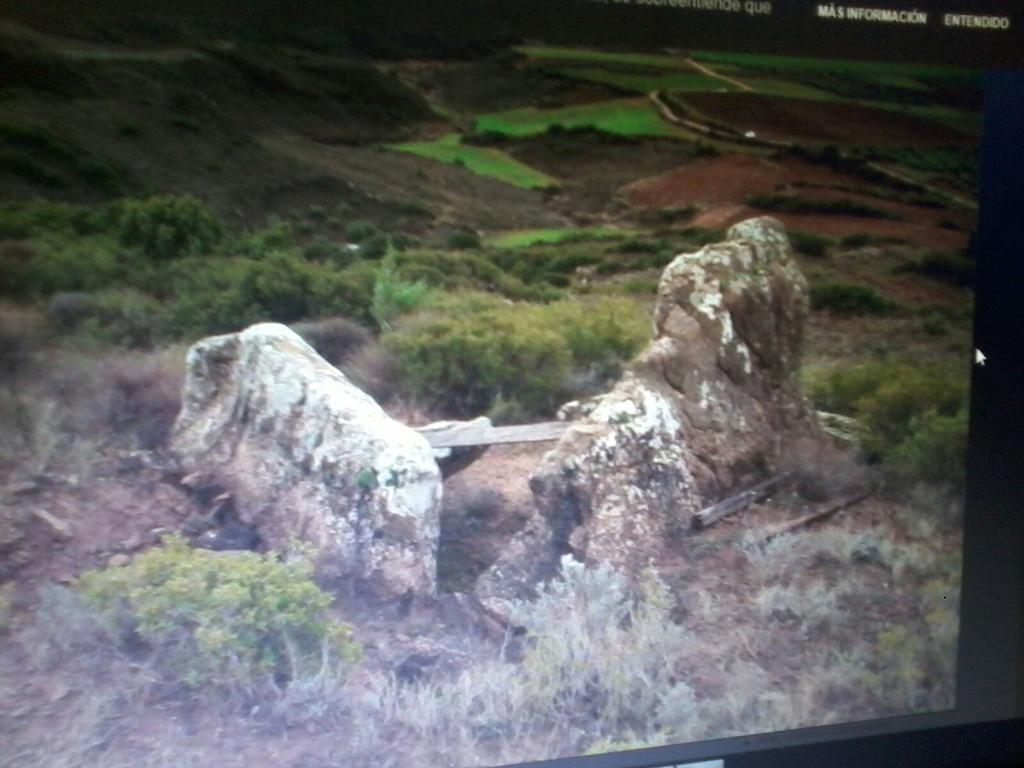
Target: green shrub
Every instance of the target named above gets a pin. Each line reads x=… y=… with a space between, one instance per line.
x=239 y=619
x=934 y=450
x=904 y=410
x=375 y=246
x=461 y=241
x=474 y=351
x=126 y=317
x=803 y=205
x=554 y=266
x=464 y=270
x=462 y=365
x=48 y=266
x=357 y=231
x=277 y=235
x=170 y=226
x=25 y=218
x=861 y=240
x=702 y=235
x=322 y=251
x=949 y=268
x=847 y=299
x=221 y=295
x=809 y=244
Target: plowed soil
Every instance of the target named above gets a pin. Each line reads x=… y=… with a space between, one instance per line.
x=723 y=185
x=777 y=117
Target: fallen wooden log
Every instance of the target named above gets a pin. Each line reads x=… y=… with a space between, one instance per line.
x=814 y=517
x=714 y=513
x=480 y=432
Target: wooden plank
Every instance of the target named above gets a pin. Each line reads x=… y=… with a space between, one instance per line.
x=813 y=517
x=714 y=513
x=471 y=433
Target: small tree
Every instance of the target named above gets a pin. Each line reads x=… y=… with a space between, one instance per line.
x=393 y=296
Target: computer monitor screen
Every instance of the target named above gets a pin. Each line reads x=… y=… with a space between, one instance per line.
x=386 y=393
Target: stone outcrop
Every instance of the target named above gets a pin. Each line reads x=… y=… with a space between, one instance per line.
x=307 y=456
x=703 y=411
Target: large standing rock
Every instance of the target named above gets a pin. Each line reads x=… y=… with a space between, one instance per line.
x=705 y=409
x=308 y=456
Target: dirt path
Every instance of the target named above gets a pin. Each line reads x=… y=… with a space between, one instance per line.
x=718 y=76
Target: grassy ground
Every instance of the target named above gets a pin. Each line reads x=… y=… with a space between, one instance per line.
x=527 y=237
x=625 y=117
x=484 y=161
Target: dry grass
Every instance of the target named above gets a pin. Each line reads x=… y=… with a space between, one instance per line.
x=71 y=410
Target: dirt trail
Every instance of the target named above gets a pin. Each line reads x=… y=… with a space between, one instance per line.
x=718 y=76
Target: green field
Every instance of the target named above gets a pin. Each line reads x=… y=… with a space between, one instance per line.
x=603 y=57
x=483 y=161
x=524 y=238
x=645 y=83
x=625 y=117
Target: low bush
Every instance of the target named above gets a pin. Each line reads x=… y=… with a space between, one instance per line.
x=461 y=241
x=21 y=335
x=56 y=264
x=276 y=235
x=809 y=244
x=324 y=251
x=934 y=450
x=600 y=663
x=125 y=317
x=241 y=620
x=375 y=371
x=145 y=395
x=357 y=231
x=803 y=205
x=375 y=246
x=911 y=416
x=462 y=365
x=702 y=235
x=221 y=295
x=554 y=267
x=170 y=226
x=471 y=352
x=462 y=270
x=334 y=338
x=949 y=268
x=847 y=299
x=861 y=240
x=25 y=218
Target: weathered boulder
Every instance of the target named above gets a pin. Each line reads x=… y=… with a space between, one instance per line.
x=704 y=410
x=308 y=456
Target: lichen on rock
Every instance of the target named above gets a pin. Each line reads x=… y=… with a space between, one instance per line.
x=307 y=456
x=705 y=409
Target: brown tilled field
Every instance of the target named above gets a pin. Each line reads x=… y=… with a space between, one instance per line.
x=825 y=122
